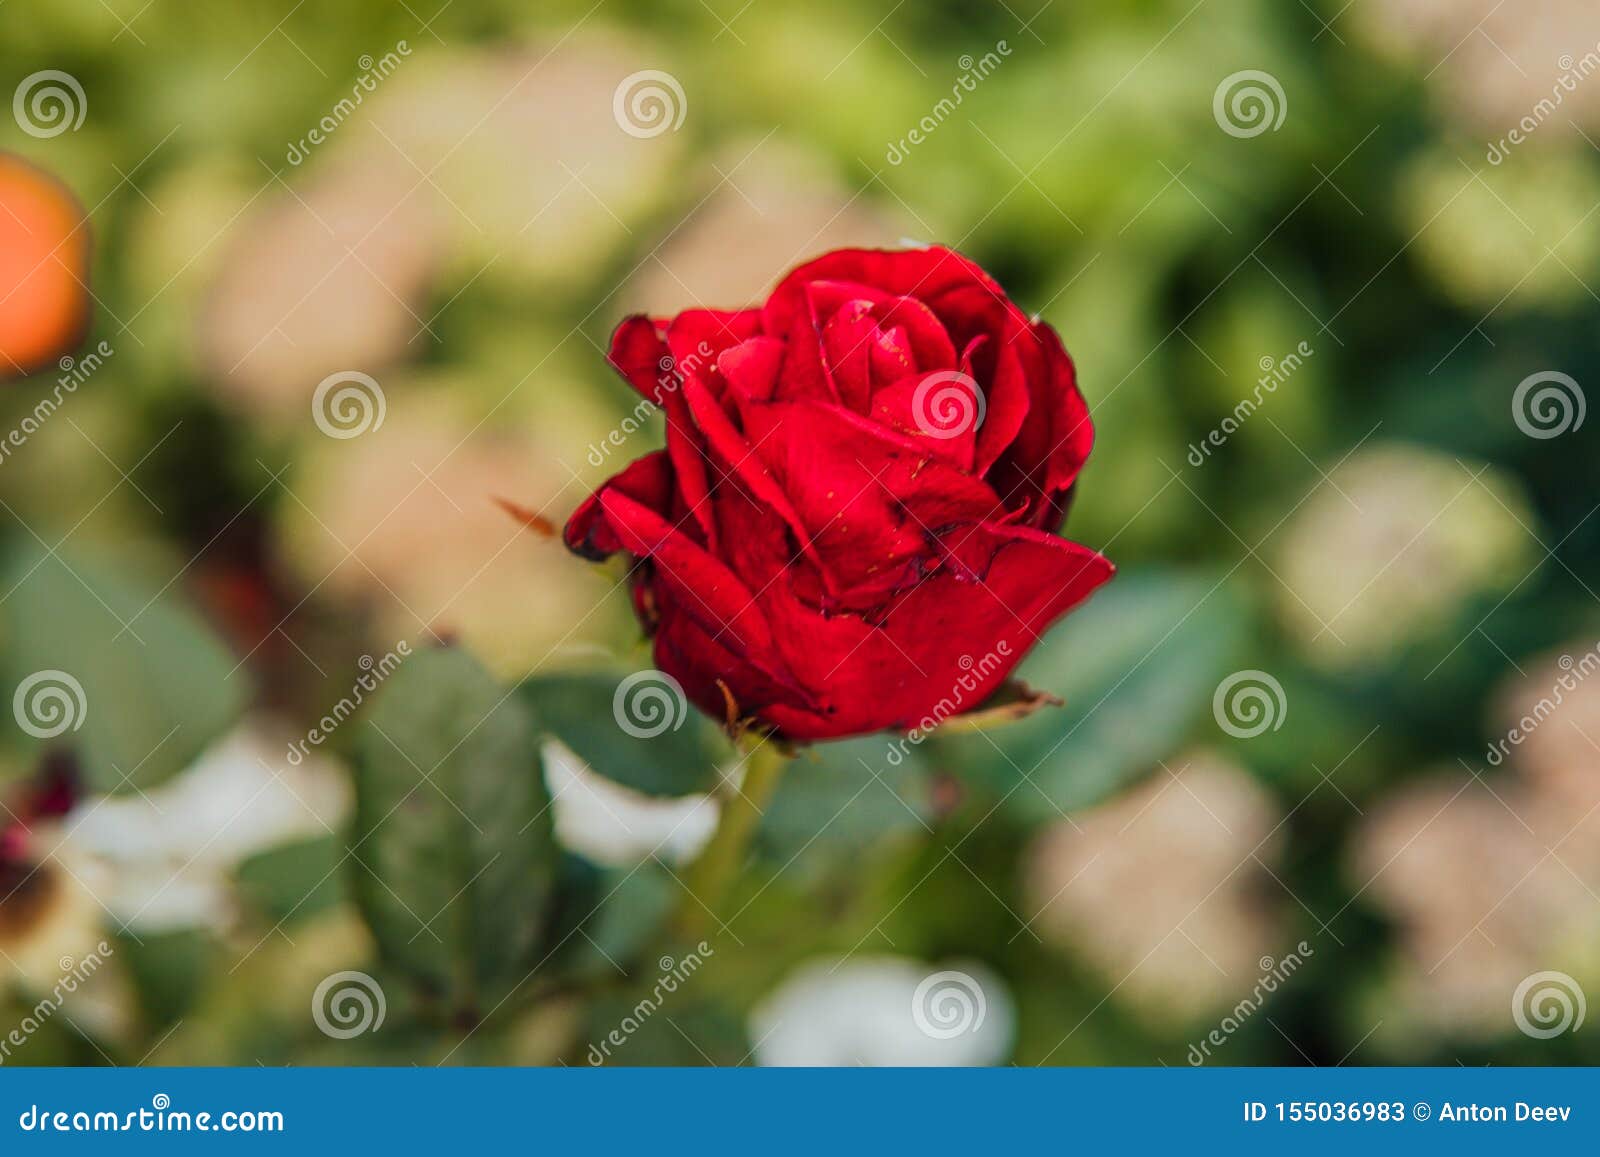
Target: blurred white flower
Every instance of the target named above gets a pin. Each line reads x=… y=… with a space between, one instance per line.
x=1491 y=62
x=327 y=278
x=888 y=1011
x=1504 y=237
x=1488 y=883
x=1555 y=711
x=1390 y=547
x=1161 y=887
x=161 y=859
x=616 y=826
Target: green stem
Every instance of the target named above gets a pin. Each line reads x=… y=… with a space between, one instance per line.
x=710 y=877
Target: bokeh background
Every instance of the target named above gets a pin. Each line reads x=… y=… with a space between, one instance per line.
x=1394 y=546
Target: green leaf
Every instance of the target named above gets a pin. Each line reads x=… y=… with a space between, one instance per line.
x=636 y=729
x=453 y=827
x=293 y=882
x=132 y=679
x=842 y=799
x=1136 y=667
x=607 y=917
x=169 y=971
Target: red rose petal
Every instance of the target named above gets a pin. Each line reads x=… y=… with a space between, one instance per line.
x=950 y=641
x=751 y=368
x=708 y=591
x=847 y=340
x=640 y=354
x=868 y=497
x=647 y=480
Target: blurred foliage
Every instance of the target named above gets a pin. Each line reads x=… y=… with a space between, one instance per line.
x=181 y=505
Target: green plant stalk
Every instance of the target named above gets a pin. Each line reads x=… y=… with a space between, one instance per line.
x=709 y=878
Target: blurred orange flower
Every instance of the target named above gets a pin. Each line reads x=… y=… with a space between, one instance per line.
x=44 y=267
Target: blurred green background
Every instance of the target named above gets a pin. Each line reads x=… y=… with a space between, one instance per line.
x=449 y=198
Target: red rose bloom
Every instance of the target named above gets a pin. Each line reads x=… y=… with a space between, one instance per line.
x=852 y=525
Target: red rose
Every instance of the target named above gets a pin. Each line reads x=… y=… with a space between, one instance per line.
x=852 y=525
